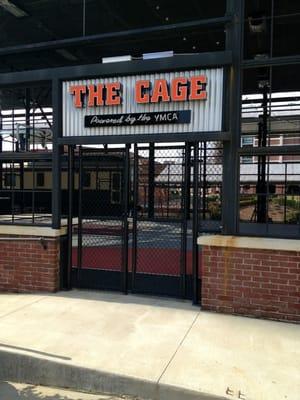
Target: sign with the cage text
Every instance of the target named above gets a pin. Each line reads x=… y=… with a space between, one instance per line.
x=171 y=102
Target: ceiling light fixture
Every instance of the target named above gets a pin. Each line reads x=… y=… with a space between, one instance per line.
x=159 y=54
x=106 y=60
x=13 y=9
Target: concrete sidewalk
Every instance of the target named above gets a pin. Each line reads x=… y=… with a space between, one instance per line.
x=154 y=348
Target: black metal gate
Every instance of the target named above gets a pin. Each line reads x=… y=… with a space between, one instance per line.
x=138 y=219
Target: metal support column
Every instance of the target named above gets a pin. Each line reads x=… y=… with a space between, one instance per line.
x=79 y=231
x=196 y=294
x=56 y=153
x=232 y=120
x=25 y=139
x=125 y=220
x=68 y=283
x=134 y=216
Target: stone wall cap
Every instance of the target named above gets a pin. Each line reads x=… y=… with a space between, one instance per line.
x=247 y=242
x=30 y=230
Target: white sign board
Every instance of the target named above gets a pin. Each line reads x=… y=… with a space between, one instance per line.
x=165 y=102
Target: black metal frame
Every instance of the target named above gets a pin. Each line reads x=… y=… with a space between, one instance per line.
x=263 y=151
x=232 y=61
x=195 y=252
x=176 y=63
x=181 y=284
x=126 y=68
x=98 y=38
x=24 y=198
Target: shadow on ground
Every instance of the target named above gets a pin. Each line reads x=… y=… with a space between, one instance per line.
x=116 y=297
x=29 y=392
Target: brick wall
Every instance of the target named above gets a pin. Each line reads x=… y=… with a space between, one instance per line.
x=25 y=266
x=260 y=283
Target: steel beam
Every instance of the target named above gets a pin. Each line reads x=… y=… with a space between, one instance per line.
x=145 y=138
x=177 y=62
x=105 y=37
x=26 y=156
x=272 y=150
x=274 y=62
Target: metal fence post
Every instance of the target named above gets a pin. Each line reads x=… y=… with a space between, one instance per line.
x=151 y=177
x=134 y=216
x=70 y=215
x=79 y=231
x=195 y=255
x=125 y=219
x=185 y=215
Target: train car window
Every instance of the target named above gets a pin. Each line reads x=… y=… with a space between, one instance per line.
x=10 y=179
x=86 y=179
x=115 y=188
x=103 y=182
x=40 y=179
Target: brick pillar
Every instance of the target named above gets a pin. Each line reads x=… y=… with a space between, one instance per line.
x=250 y=281
x=28 y=264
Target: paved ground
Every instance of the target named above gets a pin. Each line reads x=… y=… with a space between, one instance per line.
x=158 y=244
x=17 y=391
x=161 y=341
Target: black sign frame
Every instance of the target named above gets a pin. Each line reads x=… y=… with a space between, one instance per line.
x=135 y=119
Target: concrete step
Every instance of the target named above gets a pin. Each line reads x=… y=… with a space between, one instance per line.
x=16 y=366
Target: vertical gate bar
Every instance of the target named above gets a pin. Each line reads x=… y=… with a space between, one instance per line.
x=26 y=140
x=24 y=144
x=1 y=166
x=34 y=178
x=125 y=220
x=204 y=182
x=134 y=216
x=1 y=148
x=33 y=192
x=79 y=231
x=12 y=188
x=188 y=184
x=22 y=186
x=185 y=216
x=168 y=191
x=195 y=224
x=151 y=176
x=285 y=191
x=70 y=213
